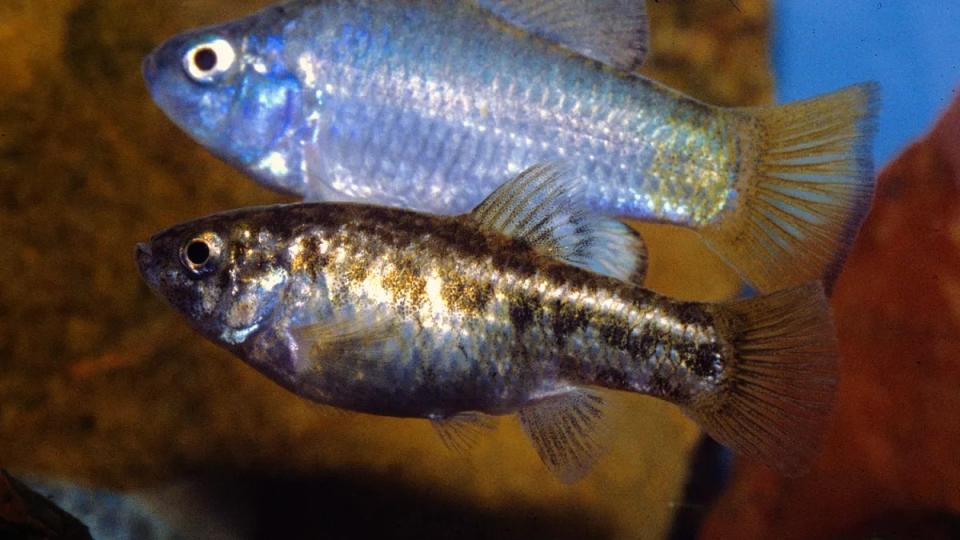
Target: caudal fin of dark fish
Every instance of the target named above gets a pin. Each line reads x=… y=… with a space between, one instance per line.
x=774 y=403
x=806 y=186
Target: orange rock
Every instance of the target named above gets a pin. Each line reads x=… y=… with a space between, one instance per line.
x=891 y=455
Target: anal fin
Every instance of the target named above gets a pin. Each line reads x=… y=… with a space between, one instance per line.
x=566 y=431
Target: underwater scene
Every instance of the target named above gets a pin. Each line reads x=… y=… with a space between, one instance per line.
x=479 y=269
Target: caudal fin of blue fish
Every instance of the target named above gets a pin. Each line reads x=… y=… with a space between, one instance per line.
x=805 y=186
x=776 y=395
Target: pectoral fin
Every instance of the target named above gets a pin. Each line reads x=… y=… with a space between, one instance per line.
x=565 y=430
x=610 y=31
x=541 y=207
x=357 y=338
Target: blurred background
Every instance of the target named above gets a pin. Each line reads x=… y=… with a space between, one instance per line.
x=105 y=392
x=909 y=46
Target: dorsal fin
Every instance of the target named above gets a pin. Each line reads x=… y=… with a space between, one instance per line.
x=539 y=207
x=610 y=31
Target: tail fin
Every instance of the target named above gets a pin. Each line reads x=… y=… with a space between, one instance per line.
x=806 y=189
x=774 y=400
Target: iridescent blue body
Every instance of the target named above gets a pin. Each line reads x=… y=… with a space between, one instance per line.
x=430 y=104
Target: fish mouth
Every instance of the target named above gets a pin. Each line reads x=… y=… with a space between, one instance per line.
x=149 y=69
x=144 y=257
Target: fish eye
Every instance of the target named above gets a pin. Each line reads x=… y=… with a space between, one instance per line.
x=204 y=62
x=205 y=59
x=201 y=254
x=198 y=252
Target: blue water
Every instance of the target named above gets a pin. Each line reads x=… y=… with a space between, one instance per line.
x=912 y=47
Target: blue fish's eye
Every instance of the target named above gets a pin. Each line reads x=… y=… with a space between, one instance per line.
x=205 y=61
x=201 y=254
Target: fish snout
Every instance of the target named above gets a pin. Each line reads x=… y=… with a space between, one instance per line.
x=149 y=69
x=144 y=258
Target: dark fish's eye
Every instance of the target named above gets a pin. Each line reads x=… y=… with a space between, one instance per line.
x=201 y=254
x=208 y=60
x=198 y=252
x=205 y=59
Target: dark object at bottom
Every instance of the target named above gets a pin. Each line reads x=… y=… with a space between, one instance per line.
x=709 y=474
x=24 y=514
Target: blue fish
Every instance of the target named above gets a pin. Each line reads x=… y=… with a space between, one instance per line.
x=429 y=104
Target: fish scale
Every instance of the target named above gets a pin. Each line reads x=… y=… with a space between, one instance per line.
x=403 y=58
x=445 y=330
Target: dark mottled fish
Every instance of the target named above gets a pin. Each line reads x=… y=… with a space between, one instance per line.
x=429 y=104
x=520 y=306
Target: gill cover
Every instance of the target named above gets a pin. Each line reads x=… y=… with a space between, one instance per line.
x=224 y=280
x=228 y=88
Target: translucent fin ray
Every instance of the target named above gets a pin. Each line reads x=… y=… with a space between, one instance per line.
x=565 y=430
x=775 y=397
x=817 y=151
x=359 y=338
x=614 y=32
x=460 y=432
x=540 y=207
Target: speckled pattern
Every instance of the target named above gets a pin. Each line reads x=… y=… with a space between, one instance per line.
x=102 y=381
x=447 y=319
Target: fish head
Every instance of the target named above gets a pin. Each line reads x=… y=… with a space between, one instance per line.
x=225 y=273
x=229 y=87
